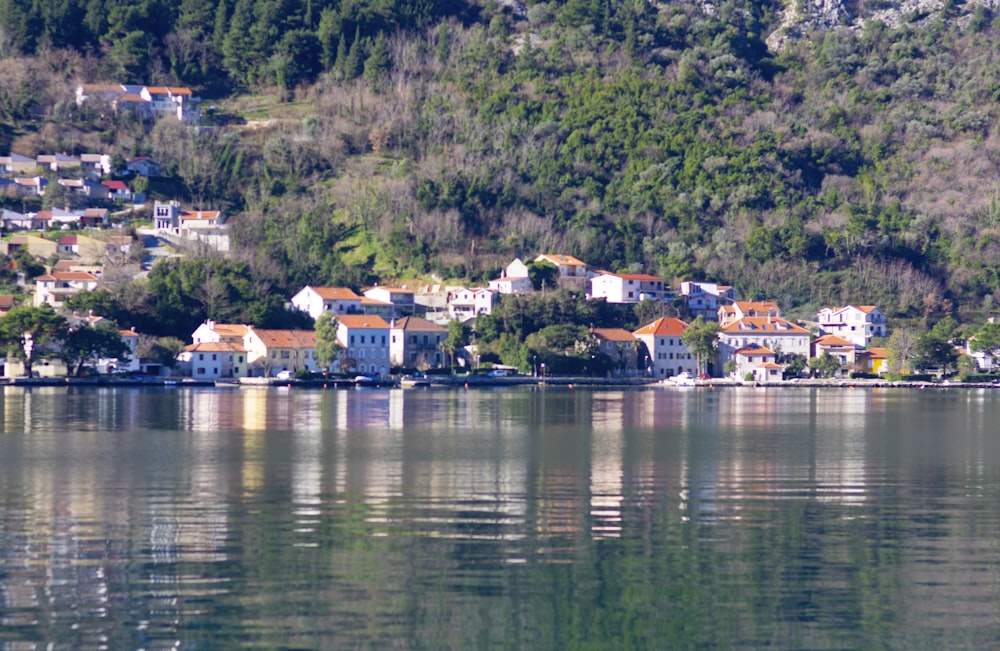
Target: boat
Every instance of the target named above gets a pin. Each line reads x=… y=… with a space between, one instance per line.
x=683 y=379
x=366 y=381
x=414 y=380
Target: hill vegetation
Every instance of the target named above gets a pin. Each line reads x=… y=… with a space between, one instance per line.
x=400 y=140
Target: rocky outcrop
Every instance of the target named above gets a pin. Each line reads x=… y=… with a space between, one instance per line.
x=802 y=16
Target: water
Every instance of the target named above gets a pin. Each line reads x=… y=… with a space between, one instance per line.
x=508 y=519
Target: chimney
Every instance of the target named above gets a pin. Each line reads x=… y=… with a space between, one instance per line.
x=211 y=325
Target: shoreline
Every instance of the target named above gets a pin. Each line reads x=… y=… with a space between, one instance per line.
x=479 y=381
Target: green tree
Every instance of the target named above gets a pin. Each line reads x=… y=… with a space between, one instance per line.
x=86 y=343
x=162 y=350
x=825 y=365
x=702 y=338
x=543 y=274
x=327 y=346
x=377 y=63
x=935 y=348
x=458 y=336
x=25 y=332
x=900 y=350
x=987 y=341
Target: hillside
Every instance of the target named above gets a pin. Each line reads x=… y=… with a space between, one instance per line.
x=855 y=163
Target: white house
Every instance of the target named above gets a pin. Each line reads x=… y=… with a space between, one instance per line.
x=148 y=101
x=748 y=358
x=214 y=360
x=416 y=343
x=95 y=165
x=465 y=303
x=572 y=271
x=667 y=354
x=621 y=347
x=773 y=333
x=314 y=301
x=856 y=323
x=210 y=331
x=53 y=288
x=513 y=279
x=364 y=343
x=704 y=299
x=627 y=288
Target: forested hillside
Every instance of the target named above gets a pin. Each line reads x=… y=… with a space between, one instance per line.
x=403 y=139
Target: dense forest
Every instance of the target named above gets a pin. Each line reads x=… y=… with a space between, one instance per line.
x=357 y=140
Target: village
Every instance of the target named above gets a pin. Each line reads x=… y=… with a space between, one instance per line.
x=385 y=330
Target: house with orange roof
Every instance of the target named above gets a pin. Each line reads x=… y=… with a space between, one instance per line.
x=214 y=360
x=621 y=348
x=364 y=343
x=739 y=309
x=757 y=360
x=273 y=351
x=314 y=301
x=53 y=288
x=842 y=350
x=769 y=332
x=666 y=355
x=704 y=299
x=873 y=360
x=627 y=288
x=416 y=343
x=212 y=332
x=572 y=271
x=856 y=323
x=148 y=101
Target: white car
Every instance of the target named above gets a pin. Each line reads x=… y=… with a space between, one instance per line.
x=284 y=375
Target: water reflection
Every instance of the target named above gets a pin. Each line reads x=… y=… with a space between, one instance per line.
x=788 y=518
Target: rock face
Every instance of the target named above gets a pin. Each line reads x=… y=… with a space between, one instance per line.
x=802 y=16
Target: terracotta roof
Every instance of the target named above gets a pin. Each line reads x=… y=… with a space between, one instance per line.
x=130 y=97
x=561 y=260
x=875 y=353
x=128 y=333
x=229 y=329
x=362 y=321
x=335 y=293
x=157 y=90
x=613 y=334
x=754 y=349
x=67 y=239
x=631 y=276
x=200 y=214
x=179 y=91
x=394 y=290
x=365 y=300
x=764 y=324
x=416 y=323
x=769 y=365
x=663 y=326
x=286 y=338
x=6 y=301
x=208 y=346
x=833 y=340
x=746 y=306
x=114 y=185
x=69 y=275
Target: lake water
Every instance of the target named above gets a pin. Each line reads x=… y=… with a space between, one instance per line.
x=499 y=519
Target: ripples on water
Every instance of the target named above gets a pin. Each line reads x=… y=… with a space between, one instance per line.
x=498 y=519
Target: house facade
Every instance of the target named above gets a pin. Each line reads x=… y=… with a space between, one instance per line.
x=842 y=350
x=316 y=301
x=397 y=301
x=858 y=324
x=622 y=349
x=214 y=361
x=53 y=288
x=416 y=343
x=772 y=333
x=210 y=331
x=741 y=309
x=465 y=304
x=364 y=343
x=666 y=353
x=627 y=288
x=704 y=299
x=572 y=271
x=749 y=358
x=514 y=279
x=270 y=352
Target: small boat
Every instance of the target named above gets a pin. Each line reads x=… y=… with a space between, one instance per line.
x=684 y=379
x=366 y=381
x=415 y=380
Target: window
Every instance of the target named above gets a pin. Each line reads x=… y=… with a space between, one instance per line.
x=394 y=339
x=361 y=354
x=362 y=339
x=383 y=339
x=215 y=357
x=274 y=354
x=352 y=340
x=201 y=357
x=239 y=359
x=284 y=354
x=425 y=339
x=201 y=371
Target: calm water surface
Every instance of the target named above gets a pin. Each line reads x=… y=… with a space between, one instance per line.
x=508 y=519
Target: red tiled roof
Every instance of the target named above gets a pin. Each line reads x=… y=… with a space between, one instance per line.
x=286 y=338
x=613 y=334
x=764 y=324
x=664 y=326
x=207 y=346
x=833 y=340
x=335 y=293
x=362 y=321
x=114 y=185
